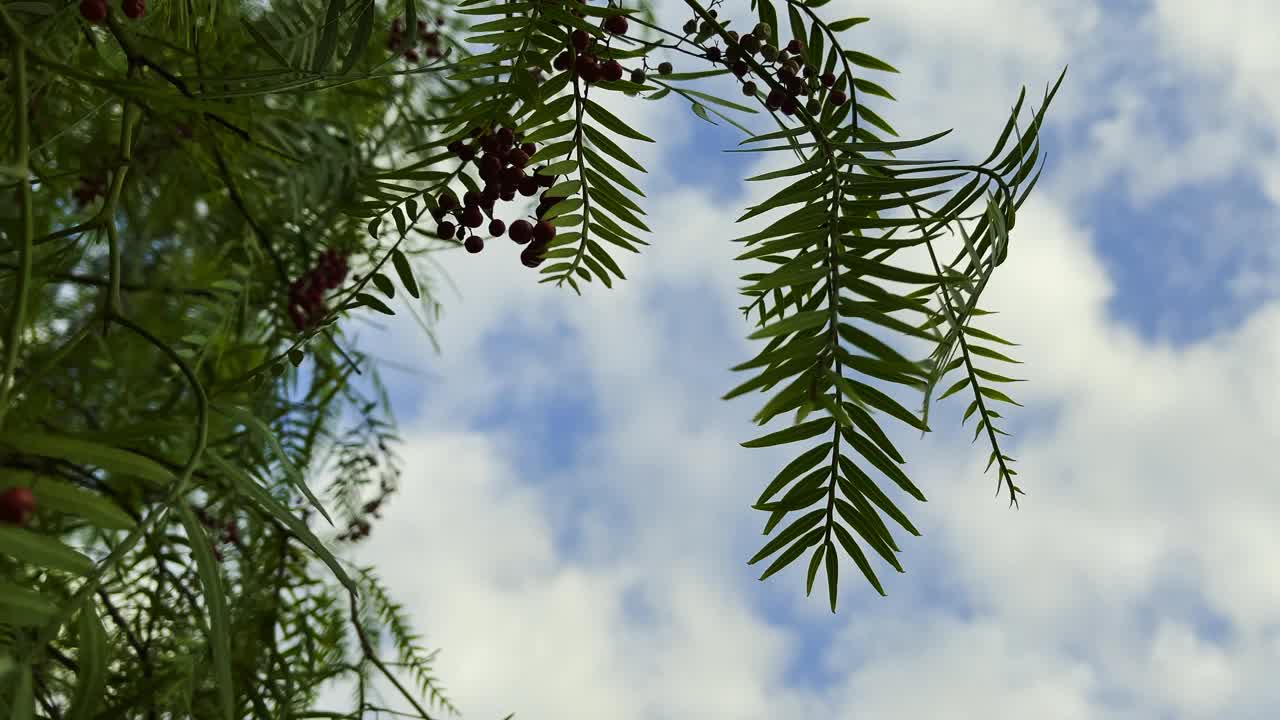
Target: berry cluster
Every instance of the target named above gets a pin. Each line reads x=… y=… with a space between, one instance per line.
x=582 y=56
x=502 y=163
x=306 y=294
x=95 y=11
x=17 y=504
x=430 y=39
x=799 y=79
x=91 y=188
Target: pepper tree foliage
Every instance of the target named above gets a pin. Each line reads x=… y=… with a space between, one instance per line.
x=191 y=183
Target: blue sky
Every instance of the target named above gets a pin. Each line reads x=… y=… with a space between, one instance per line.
x=574 y=522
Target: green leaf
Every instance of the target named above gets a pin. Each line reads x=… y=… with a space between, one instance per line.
x=842 y=25
x=23 y=607
x=401 y=264
x=563 y=167
x=793 y=552
x=263 y=42
x=868 y=488
x=997 y=395
x=814 y=563
x=795 y=433
x=264 y=502
x=42 y=550
x=216 y=603
x=701 y=112
x=793 y=469
x=607 y=146
x=855 y=552
x=398 y=215
x=359 y=42
x=792 y=532
x=833 y=575
x=91 y=675
x=259 y=428
x=795 y=323
x=370 y=301
x=883 y=463
x=328 y=37
x=383 y=284
x=866 y=61
x=84 y=452
x=610 y=121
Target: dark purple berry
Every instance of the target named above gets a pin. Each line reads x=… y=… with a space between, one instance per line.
x=520 y=231
x=474 y=244
x=544 y=232
x=615 y=25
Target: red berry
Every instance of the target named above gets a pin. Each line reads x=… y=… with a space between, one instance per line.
x=518 y=157
x=95 y=11
x=580 y=39
x=588 y=69
x=794 y=47
x=562 y=61
x=521 y=231
x=497 y=227
x=412 y=55
x=474 y=244
x=828 y=79
x=740 y=68
x=445 y=230
x=528 y=187
x=713 y=53
x=508 y=195
x=472 y=216
x=511 y=177
x=506 y=137
x=838 y=98
x=612 y=71
x=16 y=505
x=749 y=89
x=544 y=232
x=490 y=166
x=447 y=201
x=616 y=24
x=134 y=9
x=397 y=25
x=531 y=256
x=529 y=149
x=665 y=68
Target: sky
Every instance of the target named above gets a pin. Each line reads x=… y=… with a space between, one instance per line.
x=574 y=520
